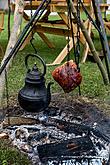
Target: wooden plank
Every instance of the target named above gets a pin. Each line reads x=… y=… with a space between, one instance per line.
x=46 y=40
x=27 y=41
x=51 y=30
x=62 y=54
x=25 y=16
x=60 y=6
x=52 y=24
x=64 y=17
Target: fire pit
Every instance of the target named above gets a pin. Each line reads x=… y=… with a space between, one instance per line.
x=74 y=133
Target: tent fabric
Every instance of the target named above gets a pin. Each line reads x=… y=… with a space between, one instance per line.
x=4 y=4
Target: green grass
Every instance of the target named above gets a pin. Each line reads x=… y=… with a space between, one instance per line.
x=92 y=84
x=10 y=155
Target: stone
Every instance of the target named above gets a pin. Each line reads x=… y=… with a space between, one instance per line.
x=4 y=136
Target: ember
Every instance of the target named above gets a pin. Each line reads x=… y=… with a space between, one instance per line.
x=61 y=138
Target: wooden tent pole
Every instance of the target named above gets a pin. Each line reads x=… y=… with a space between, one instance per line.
x=19 y=7
x=9 y=14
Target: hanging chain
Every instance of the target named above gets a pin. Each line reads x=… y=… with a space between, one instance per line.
x=70 y=26
x=32 y=30
x=77 y=54
x=72 y=32
x=68 y=39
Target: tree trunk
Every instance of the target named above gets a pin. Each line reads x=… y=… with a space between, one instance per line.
x=12 y=41
x=91 y=45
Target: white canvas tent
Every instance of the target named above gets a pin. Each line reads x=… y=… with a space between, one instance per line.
x=108 y=11
x=4 y=4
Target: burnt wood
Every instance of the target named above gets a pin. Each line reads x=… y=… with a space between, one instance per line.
x=79 y=129
x=72 y=147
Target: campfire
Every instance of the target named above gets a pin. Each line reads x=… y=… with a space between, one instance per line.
x=61 y=137
x=61 y=133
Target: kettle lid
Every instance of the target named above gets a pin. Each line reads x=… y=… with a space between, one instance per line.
x=34 y=76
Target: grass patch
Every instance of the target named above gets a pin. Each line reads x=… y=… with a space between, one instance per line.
x=10 y=155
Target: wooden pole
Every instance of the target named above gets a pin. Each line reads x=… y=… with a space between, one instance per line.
x=9 y=14
x=19 y=7
x=89 y=33
x=91 y=45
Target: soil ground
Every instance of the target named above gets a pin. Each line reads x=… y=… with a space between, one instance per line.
x=89 y=111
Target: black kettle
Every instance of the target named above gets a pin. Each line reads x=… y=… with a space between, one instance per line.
x=34 y=96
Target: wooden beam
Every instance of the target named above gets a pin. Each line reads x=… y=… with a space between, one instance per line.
x=63 y=53
x=26 y=17
x=64 y=17
x=27 y=41
x=51 y=30
x=46 y=40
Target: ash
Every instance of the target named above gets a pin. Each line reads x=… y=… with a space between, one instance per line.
x=27 y=138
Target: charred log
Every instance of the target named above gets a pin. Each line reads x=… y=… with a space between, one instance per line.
x=79 y=129
x=72 y=147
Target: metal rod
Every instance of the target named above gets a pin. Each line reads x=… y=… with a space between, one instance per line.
x=26 y=32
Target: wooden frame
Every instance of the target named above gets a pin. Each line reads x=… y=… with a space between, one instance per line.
x=44 y=26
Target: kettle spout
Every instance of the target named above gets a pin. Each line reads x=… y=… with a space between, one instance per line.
x=48 y=92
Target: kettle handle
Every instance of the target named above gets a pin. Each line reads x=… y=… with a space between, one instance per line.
x=37 y=56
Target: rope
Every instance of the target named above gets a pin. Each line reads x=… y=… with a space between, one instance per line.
x=77 y=47
x=68 y=40
x=77 y=54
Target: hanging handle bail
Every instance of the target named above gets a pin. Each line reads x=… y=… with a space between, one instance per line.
x=37 y=56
